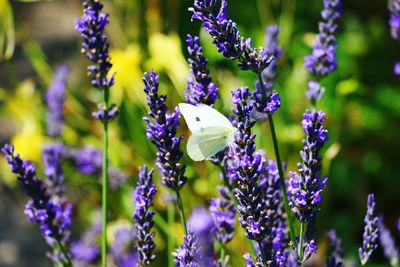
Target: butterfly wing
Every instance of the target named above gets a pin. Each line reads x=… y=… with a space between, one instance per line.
x=202 y=116
x=207 y=142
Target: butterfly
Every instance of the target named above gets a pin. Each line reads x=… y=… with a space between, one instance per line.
x=211 y=131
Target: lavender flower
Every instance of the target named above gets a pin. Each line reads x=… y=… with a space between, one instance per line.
x=223 y=212
x=250 y=263
x=394 y=23
x=86 y=251
x=122 y=249
x=55 y=98
x=370 y=236
x=306 y=186
x=161 y=129
x=267 y=99
x=52 y=154
x=314 y=91
x=388 y=244
x=51 y=217
x=103 y=114
x=200 y=88
x=275 y=243
x=246 y=169
x=52 y=214
x=88 y=160
x=144 y=193
x=202 y=225
x=187 y=254
x=322 y=59
x=227 y=37
x=95 y=43
x=336 y=260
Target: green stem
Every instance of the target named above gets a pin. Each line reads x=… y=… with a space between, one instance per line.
x=181 y=211
x=301 y=241
x=65 y=253
x=222 y=253
x=264 y=258
x=279 y=164
x=104 y=186
x=170 y=240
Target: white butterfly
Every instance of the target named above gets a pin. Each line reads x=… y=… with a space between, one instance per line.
x=211 y=131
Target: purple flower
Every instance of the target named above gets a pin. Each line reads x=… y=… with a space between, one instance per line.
x=306 y=186
x=188 y=253
x=223 y=212
x=122 y=249
x=250 y=263
x=314 y=91
x=396 y=69
x=266 y=99
x=144 y=194
x=52 y=154
x=246 y=168
x=322 y=59
x=55 y=98
x=394 y=21
x=227 y=37
x=161 y=129
x=371 y=232
x=88 y=160
x=86 y=251
x=200 y=88
x=336 y=260
x=95 y=43
x=275 y=243
x=52 y=213
x=49 y=215
x=103 y=114
x=388 y=244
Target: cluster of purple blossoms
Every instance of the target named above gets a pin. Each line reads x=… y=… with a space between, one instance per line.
x=227 y=37
x=371 y=232
x=394 y=23
x=144 y=194
x=246 y=169
x=200 y=88
x=275 y=243
x=95 y=43
x=106 y=115
x=55 y=98
x=161 y=129
x=267 y=99
x=250 y=262
x=88 y=160
x=336 y=260
x=52 y=155
x=122 y=249
x=322 y=59
x=223 y=212
x=53 y=217
x=188 y=253
x=86 y=251
x=306 y=186
x=388 y=244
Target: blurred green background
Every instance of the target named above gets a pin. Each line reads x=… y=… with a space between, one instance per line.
x=362 y=103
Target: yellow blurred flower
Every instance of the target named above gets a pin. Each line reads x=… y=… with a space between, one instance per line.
x=128 y=75
x=166 y=55
x=24 y=108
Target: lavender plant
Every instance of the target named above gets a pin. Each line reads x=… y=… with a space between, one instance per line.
x=336 y=259
x=306 y=186
x=322 y=60
x=394 y=23
x=144 y=193
x=200 y=88
x=55 y=98
x=388 y=244
x=371 y=232
x=187 y=254
x=95 y=47
x=53 y=218
x=161 y=129
x=122 y=249
x=86 y=251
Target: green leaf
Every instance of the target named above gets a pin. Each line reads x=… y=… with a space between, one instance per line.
x=7 y=34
